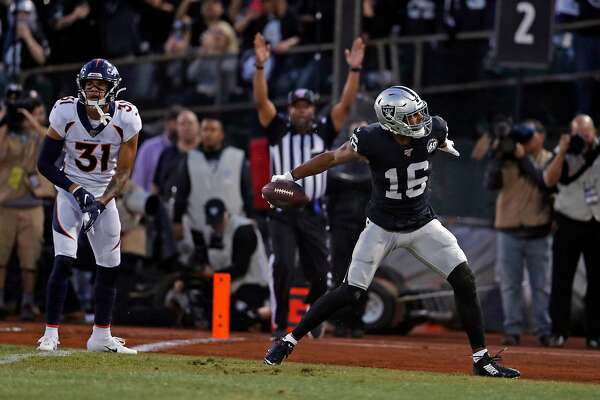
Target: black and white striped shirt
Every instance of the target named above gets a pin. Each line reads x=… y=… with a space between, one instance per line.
x=289 y=149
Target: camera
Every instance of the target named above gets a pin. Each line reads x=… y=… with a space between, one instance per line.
x=576 y=145
x=17 y=98
x=508 y=135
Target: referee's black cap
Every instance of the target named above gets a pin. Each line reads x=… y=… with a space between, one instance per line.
x=302 y=94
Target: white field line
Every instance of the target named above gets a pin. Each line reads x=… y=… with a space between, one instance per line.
x=169 y=344
x=434 y=346
x=12 y=358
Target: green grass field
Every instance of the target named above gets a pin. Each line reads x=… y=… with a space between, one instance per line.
x=80 y=375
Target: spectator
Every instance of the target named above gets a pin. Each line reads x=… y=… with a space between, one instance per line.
x=156 y=18
x=214 y=73
x=21 y=210
x=211 y=15
x=586 y=46
x=74 y=30
x=293 y=139
x=29 y=48
x=171 y=160
x=281 y=30
x=575 y=170
x=150 y=151
x=235 y=247
x=119 y=27
x=214 y=170
x=523 y=221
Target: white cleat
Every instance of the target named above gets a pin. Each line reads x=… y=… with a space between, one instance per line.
x=48 y=343
x=110 y=344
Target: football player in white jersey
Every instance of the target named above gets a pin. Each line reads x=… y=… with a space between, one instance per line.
x=99 y=135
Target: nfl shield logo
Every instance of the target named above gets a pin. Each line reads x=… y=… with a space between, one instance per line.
x=388 y=112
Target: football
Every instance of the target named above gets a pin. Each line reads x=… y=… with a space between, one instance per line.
x=284 y=194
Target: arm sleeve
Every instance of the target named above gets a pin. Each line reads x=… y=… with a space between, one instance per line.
x=244 y=245
x=247 y=192
x=51 y=150
x=184 y=188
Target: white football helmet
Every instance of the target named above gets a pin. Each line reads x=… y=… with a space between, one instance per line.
x=394 y=107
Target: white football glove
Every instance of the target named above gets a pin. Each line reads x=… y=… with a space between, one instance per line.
x=449 y=148
x=285 y=177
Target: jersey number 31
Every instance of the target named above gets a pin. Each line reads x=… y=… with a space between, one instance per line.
x=414 y=186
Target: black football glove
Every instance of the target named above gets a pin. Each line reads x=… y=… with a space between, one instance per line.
x=93 y=212
x=84 y=198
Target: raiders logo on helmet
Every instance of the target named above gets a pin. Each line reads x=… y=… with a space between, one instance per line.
x=388 y=112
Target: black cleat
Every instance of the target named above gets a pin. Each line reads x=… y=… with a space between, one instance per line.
x=488 y=366
x=279 y=351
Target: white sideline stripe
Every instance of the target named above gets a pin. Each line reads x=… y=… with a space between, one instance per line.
x=11 y=329
x=168 y=344
x=13 y=358
x=431 y=346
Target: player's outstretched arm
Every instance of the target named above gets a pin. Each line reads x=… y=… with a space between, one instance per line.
x=125 y=162
x=345 y=153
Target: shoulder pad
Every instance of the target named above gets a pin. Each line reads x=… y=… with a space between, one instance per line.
x=127 y=117
x=63 y=114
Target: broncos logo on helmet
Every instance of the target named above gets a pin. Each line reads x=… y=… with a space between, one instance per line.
x=101 y=70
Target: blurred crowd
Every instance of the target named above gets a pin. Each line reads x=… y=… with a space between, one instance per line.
x=212 y=43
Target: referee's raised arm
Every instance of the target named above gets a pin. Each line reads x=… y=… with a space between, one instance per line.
x=354 y=58
x=265 y=107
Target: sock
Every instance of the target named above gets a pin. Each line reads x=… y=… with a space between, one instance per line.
x=479 y=354
x=290 y=338
x=27 y=299
x=101 y=332
x=106 y=294
x=327 y=304
x=51 y=330
x=56 y=291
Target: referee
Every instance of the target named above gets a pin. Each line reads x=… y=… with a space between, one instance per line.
x=294 y=138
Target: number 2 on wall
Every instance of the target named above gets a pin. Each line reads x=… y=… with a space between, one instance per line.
x=522 y=35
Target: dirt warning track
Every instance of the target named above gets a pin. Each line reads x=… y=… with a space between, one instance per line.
x=444 y=351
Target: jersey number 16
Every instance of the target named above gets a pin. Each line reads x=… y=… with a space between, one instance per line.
x=414 y=186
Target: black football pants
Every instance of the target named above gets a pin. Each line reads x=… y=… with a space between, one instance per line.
x=570 y=240
x=290 y=230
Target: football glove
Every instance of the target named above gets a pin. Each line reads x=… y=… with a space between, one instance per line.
x=285 y=177
x=449 y=148
x=84 y=198
x=92 y=212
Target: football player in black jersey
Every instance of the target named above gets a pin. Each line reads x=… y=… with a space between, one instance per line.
x=398 y=148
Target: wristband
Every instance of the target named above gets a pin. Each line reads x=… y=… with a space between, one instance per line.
x=259 y=66
x=355 y=69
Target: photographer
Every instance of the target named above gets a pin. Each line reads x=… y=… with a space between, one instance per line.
x=523 y=221
x=575 y=170
x=21 y=190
